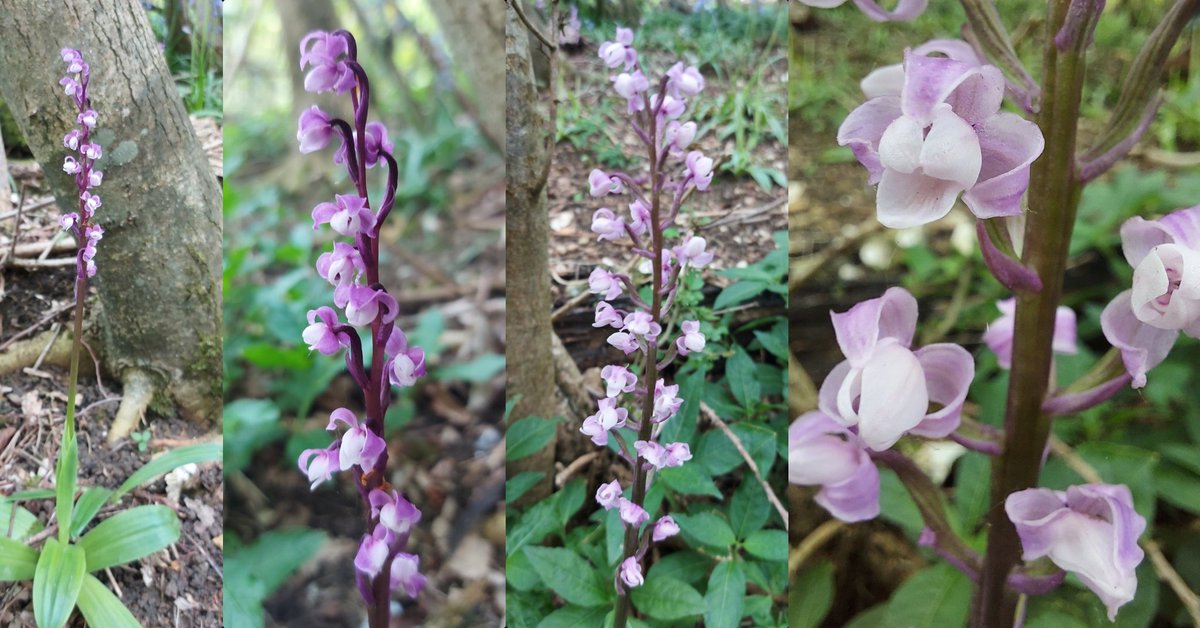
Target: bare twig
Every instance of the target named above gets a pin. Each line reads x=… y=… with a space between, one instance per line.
x=716 y=420
x=29 y=330
x=811 y=543
x=1161 y=565
x=575 y=466
x=516 y=5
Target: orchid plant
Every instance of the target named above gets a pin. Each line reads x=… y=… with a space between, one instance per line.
x=655 y=112
x=352 y=268
x=932 y=130
x=62 y=568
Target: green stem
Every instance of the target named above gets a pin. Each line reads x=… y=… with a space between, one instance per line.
x=1053 y=196
x=65 y=510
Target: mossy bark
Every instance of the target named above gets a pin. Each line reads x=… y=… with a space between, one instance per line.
x=527 y=260
x=160 y=261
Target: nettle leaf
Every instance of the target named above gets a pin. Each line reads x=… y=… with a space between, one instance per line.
x=130 y=535
x=519 y=573
x=935 y=597
x=687 y=566
x=971 y=488
x=667 y=598
x=570 y=576
x=519 y=485
x=739 y=292
x=896 y=505
x=1178 y=487
x=528 y=436
x=101 y=608
x=768 y=544
x=726 y=595
x=569 y=499
x=56 y=582
x=810 y=596
x=574 y=616
x=742 y=378
x=775 y=340
x=690 y=479
x=17 y=560
x=538 y=522
x=748 y=508
x=706 y=528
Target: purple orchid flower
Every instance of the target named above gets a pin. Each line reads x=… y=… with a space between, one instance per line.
x=884 y=387
x=1091 y=530
x=822 y=452
x=942 y=135
x=1144 y=321
x=999 y=334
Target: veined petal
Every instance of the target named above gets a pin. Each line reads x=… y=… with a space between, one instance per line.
x=911 y=200
x=1142 y=346
x=1033 y=511
x=1009 y=144
x=956 y=49
x=929 y=81
x=905 y=10
x=949 y=370
x=893 y=315
x=827 y=399
x=979 y=97
x=855 y=499
x=893 y=398
x=1139 y=236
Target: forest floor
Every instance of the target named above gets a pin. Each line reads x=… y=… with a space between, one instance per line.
x=179 y=586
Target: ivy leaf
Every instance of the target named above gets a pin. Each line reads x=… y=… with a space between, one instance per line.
x=569 y=575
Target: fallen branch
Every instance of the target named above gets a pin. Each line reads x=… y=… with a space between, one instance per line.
x=716 y=420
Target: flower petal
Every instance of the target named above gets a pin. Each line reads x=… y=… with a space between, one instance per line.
x=864 y=127
x=894 y=397
x=906 y=10
x=1142 y=347
x=1009 y=145
x=893 y=315
x=951 y=150
x=857 y=498
x=901 y=145
x=929 y=81
x=911 y=200
x=949 y=370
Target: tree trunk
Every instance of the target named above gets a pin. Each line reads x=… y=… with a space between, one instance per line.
x=473 y=30
x=527 y=261
x=160 y=260
x=297 y=22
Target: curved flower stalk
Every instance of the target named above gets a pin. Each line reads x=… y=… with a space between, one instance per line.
x=905 y=11
x=656 y=111
x=1091 y=530
x=932 y=130
x=352 y=268
x=1144 y=321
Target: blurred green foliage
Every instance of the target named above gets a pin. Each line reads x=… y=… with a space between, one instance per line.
x=738 y=50
x=191 y=34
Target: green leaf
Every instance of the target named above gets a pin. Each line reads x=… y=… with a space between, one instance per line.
x=253 y=572
x=87 y=506
x=519 y=573
x=1178 y=487
x=687 y=566
x=17 y=560
x=101 y=608
x=533 y=526
x=17 y=523
x=66 y=475
x=249 y=424
x=130 y=535
x=569 y=575
x=726 y=595
x=971 y=488
x=768 y=544
x=775 y=340
x=810 y=596
x=519 y=485
x=748 y=508
x=743 y=382
x=56 y=583
x=708 y=529
x=574 y=617
x=667 y=598
x=896 y=505
x=480 y=369
x=569 y=499
x=935 y=597
x=738 y=292
x=528 y=436
x=690 y=479
x=169 y=461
